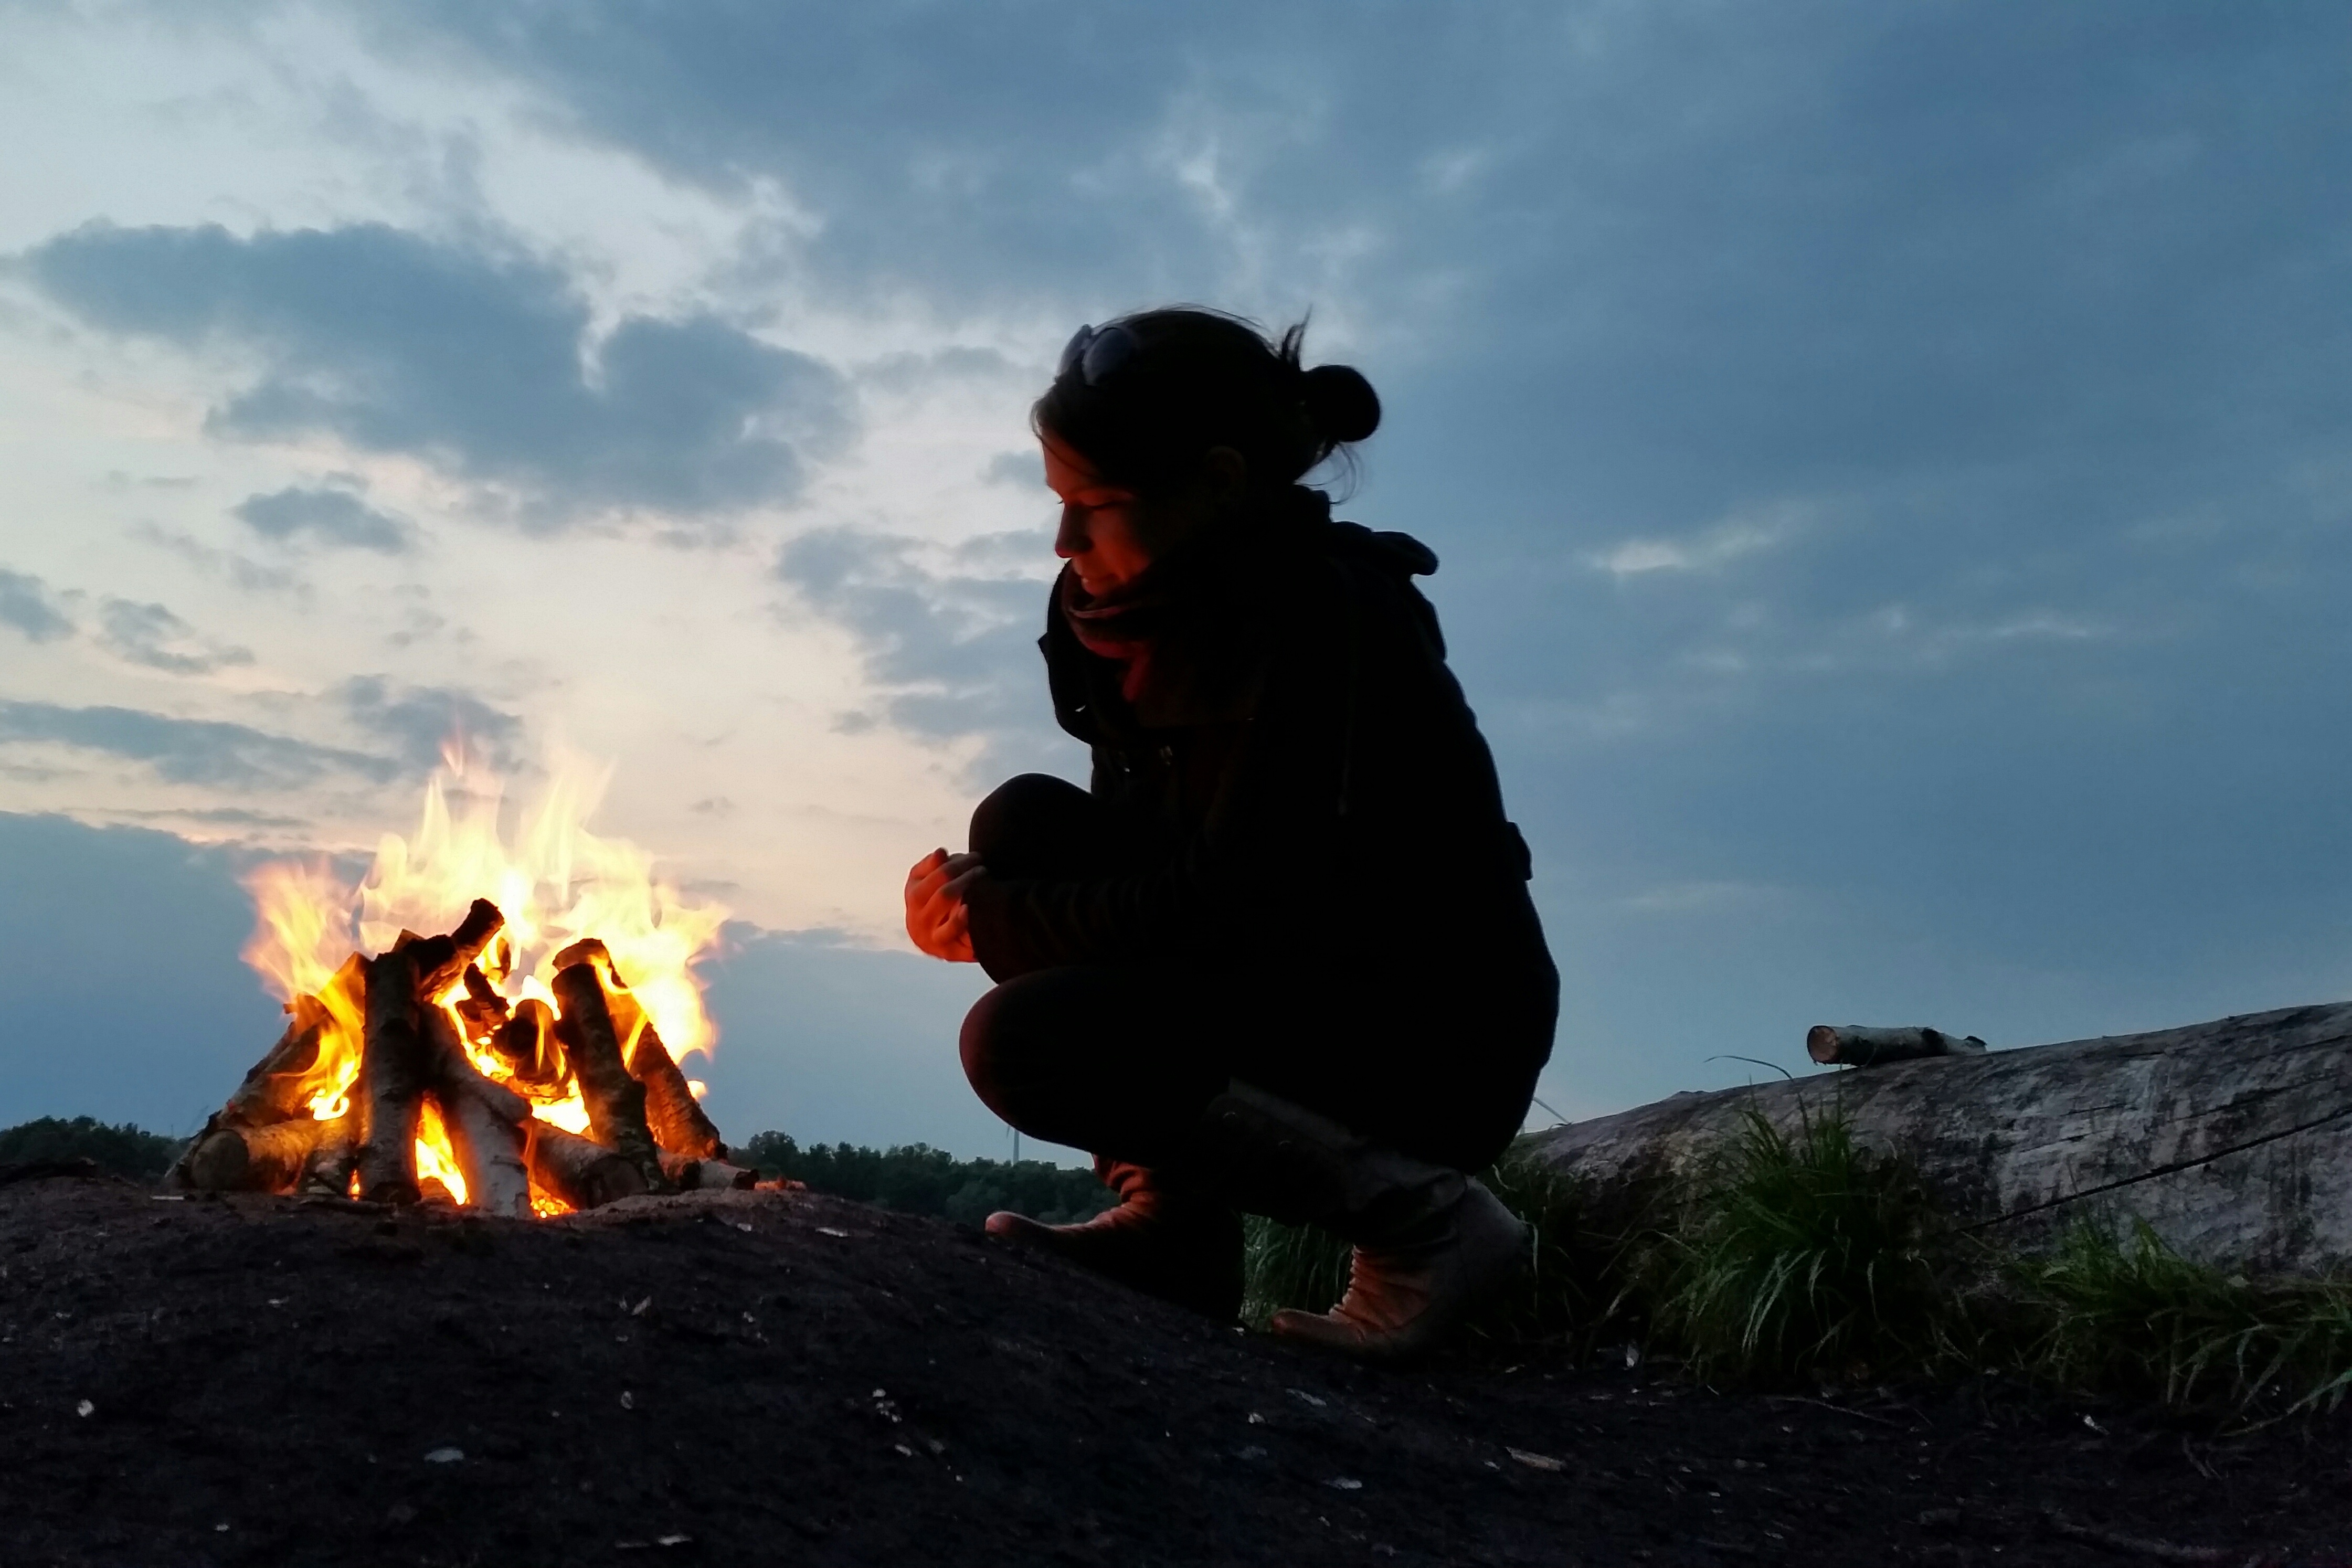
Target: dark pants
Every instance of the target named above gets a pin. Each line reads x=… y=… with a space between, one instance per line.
x=1122 y=1060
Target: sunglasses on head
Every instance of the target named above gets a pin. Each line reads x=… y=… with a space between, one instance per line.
x=1094 y=354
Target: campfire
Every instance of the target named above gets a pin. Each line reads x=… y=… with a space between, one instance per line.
x=506 y=1064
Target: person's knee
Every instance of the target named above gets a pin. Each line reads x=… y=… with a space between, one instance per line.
x=1024 y=812
x=1000 y=1045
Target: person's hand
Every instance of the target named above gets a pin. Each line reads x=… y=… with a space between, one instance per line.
x=937 y=919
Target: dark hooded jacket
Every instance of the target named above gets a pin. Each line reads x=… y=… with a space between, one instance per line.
x=1301 y=794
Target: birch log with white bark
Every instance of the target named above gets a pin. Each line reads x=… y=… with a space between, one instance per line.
x=2233 y=1139
x=484 y=1121
x=391 y=1086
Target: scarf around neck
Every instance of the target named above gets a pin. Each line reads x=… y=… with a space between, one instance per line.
x=1187 y=617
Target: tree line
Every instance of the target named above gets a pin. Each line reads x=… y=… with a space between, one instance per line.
x=910 y=1178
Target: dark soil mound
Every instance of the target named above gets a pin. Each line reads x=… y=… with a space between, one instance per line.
x=753 y=1378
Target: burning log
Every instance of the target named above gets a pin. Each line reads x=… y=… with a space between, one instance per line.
x=329 y=1169
x=226 y=1159
x=439 y=959
x=484 y=1122
x=674 y=1115
x=1858 y=1045
x=392 y=1080
x=526 y=1044
x=581 y=1174
x=616 y=1102
x=272 y=1091
x=483 y=1009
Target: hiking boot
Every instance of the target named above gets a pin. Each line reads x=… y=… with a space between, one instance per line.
x=1431 y=1245
x=1409 y=1285
x=1165 y=1238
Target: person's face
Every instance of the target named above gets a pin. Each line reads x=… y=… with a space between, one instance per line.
x=1110 y=533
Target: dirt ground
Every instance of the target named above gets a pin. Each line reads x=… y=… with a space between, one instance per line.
x=755 y=1378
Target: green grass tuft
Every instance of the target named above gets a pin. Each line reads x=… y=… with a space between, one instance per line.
x=2104 y=1311
x=1796 y=1253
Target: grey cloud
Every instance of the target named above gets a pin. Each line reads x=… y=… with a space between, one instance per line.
x=468 y=359
x=247 y=573
x=188 y=750
x=119 y=479
x=150 y=635
x=213 y=816
x=336 y=517
x=959 y=653
x=939 y=143
x=1023 y=469
x=418 y=721
x=26 y=604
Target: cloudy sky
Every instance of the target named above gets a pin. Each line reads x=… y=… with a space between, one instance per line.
x=1890 y=464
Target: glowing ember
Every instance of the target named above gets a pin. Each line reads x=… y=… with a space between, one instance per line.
x=483 y=1062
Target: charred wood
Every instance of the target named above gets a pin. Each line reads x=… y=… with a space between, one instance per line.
x=616 y=1102
x=526 y=1043
x=587 y=950
x=440 y=960
x=676 y=1117
x=484 y=1011
x=580 y=1172
x=391 y=1082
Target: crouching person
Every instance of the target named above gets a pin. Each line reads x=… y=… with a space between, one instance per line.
x=1280 y=959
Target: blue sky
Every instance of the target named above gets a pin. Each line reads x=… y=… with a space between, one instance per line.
x=1890 y=467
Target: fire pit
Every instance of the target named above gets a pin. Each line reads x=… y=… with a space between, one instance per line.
x=506 y=1064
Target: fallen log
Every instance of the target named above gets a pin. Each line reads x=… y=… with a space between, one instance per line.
x=391 y=1082
x=615 y=1101
x=576 y=1170
x=229 y=1159
x=1859 y=1046
x=484 y=1121
x=689 y=1174
x=2231 y=1139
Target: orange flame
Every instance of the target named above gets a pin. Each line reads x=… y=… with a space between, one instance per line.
x=435 y=1158
x=555 y=883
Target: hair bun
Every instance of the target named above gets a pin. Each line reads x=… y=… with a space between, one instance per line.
x=1342 y=403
